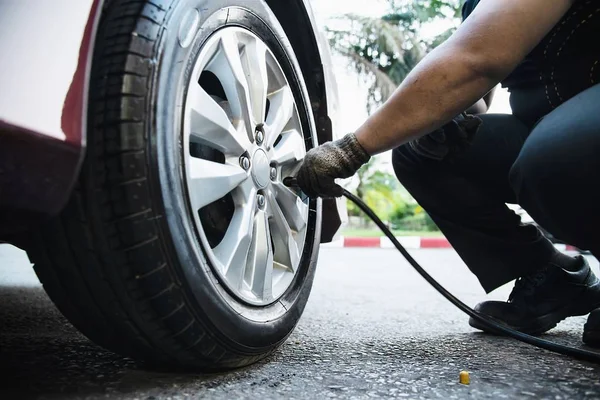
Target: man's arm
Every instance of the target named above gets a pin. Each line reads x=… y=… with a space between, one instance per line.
x=484 y=50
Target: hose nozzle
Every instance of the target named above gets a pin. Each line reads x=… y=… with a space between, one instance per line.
x=290 y=182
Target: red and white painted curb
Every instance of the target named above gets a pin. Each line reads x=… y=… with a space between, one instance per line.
x=409 y=242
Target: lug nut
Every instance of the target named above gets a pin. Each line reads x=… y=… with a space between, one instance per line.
x=261 y=200
x=245 y=163
x=273 y=173
x=260 y=134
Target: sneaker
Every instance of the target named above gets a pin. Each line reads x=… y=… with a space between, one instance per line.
x=541 y=300
x=591 y=329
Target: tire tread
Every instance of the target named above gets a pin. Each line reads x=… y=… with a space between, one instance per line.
x=103 y=274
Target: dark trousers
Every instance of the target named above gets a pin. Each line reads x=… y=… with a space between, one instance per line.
x=550 y=168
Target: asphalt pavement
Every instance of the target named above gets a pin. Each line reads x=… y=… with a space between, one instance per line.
x=372 y=329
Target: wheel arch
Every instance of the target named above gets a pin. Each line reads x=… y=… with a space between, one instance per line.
x=39 y=186
x=300 y=30
x=296 y=19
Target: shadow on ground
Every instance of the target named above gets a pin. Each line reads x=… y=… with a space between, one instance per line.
x=372 y=328
x=41 y=353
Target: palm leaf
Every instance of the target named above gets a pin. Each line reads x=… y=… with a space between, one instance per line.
x=378 y=50
x=381 y=81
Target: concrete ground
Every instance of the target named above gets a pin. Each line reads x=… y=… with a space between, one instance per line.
x=372 y=329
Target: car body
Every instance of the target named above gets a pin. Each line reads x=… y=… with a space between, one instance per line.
x=43 y=104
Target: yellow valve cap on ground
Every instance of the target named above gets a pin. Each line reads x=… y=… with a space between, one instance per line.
x=465 y=379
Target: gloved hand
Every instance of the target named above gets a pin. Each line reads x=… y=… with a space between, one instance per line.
x=449 y=141
x=338 y=159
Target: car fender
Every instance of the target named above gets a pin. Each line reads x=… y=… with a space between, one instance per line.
x=46 y=49
x=314 y=57
x=333 y=111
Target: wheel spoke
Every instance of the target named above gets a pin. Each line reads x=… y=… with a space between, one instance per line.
x=210 y=125
x=287 y=253
x=233 y=250
x=252 y=229
x=260 y=259
x=290 y=148
x=227 y=66
x=255 y=62
x=209 y=181
x=294 y=210
x=280 y=113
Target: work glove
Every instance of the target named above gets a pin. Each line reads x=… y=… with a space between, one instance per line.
x=333 y=160
x=451 y=140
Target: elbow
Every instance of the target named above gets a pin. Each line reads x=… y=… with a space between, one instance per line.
x=483 y=64
x=492 y=68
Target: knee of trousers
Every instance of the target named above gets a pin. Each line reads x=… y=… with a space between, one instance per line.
x=532 y=175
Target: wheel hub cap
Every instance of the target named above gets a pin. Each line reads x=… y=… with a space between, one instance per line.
x=261 y=169
x=242 y=133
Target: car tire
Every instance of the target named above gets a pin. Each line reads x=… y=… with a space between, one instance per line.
x=130 y=261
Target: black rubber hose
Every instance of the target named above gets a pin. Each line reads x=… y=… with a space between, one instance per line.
x=489 y=323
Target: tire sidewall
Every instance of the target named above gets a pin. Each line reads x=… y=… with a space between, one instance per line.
x=251 y=329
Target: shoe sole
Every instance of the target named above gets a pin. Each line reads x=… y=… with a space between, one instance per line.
x=548 y=321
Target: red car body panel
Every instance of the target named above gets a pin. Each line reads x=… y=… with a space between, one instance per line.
x=47 y=48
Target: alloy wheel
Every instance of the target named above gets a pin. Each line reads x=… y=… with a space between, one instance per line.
x=242 y=135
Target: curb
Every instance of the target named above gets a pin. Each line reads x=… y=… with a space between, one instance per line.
x=409 y=242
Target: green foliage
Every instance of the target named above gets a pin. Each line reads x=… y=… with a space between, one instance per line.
x=427 y=10
x=378 y=51
x=401 y=211
x=416 y=222
x=384 y=50
x=379 y=190
x=383 y=193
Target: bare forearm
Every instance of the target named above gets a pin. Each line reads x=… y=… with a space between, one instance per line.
x=486 y=48
x=434 y=93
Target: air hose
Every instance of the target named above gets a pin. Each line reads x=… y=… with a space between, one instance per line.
x=487 y=322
